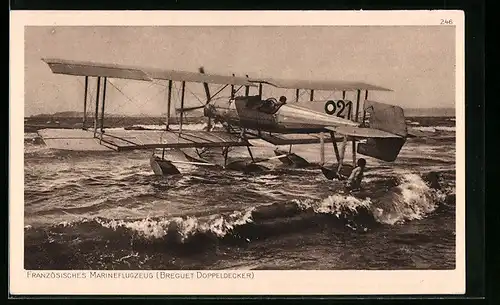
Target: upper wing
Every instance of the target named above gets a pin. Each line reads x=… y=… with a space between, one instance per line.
x=83 y=68
x=119 y=140
x=318 y=85
x=198 y=77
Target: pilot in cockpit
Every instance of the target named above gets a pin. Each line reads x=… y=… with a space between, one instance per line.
x=271 y=105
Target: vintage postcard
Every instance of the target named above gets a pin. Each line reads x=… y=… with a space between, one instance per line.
x=237 y=153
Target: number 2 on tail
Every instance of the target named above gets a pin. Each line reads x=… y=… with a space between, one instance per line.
x=331 y=108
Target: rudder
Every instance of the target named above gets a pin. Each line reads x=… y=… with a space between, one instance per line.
x=388 y=118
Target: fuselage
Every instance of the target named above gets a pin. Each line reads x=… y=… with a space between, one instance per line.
x=271 y=115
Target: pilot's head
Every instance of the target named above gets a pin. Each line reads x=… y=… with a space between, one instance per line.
x=361 y=162
x=283 y=99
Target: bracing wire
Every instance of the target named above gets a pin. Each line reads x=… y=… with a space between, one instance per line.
x=196 y=96
x=136 y=102
x=302 y=93
x=90 y=96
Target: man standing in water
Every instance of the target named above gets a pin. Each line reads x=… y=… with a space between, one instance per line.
x=353 y=183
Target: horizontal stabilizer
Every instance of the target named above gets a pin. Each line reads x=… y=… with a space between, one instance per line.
x=295 y=139
x=360 y=132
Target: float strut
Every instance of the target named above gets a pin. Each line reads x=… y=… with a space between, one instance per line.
x=342 y=154
x=335 y=147
x=250 y=153
x=322 y=148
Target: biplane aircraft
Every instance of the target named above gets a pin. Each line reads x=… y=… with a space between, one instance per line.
x=244 y=117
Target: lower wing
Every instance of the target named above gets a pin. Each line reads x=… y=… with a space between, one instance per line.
x=120 y=140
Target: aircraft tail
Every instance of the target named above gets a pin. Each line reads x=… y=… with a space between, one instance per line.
x=388 y=118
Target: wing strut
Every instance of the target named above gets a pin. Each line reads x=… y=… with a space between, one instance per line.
x=364 y=109
x=232 y=89
x=85 y=102
x=103 y=102
x=182 y=104
x=358 y=96
x=247 y=89
x=96 y=114
x=169 y=103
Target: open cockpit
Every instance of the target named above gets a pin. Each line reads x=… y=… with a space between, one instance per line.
x=267 y=106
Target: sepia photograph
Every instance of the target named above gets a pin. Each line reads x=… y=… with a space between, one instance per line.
x=240 y=147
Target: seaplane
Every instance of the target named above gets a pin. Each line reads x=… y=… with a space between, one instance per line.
x=375 y=129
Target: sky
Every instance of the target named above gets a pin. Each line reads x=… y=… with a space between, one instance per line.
x=416 y=62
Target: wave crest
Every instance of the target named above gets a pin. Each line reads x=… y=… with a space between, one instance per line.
x=180 y=229
x=411 y=199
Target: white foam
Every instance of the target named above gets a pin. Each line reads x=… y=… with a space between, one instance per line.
x=411 y=199
x=182 y=228
x=446 y=128
x=335 y=204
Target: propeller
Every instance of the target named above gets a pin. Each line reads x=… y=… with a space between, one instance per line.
x=187 y=109
x=207 y=93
